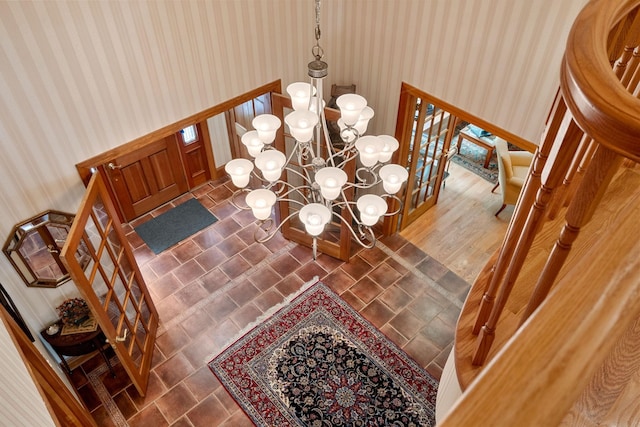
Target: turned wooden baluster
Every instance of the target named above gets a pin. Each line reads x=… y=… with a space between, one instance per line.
x=599 y=174
x=576 y=171
x=520 y=214
x=561 y=157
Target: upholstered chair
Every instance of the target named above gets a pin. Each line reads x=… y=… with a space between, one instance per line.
x=513 y=167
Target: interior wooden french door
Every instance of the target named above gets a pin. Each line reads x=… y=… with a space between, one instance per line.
x=424 y=129
x=111 y=282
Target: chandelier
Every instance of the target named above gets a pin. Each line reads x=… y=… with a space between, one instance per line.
x=319 y=176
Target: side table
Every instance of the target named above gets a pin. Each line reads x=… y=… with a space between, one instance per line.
x=77 y=344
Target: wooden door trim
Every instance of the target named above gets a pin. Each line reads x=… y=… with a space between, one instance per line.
x=85 y=167
x=63 y=406
x=467 y=117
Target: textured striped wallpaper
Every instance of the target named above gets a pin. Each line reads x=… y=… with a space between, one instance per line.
x=80 y=77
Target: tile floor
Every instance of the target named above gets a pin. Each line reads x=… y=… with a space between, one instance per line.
x=212 y=285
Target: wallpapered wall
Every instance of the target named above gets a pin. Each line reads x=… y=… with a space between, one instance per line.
x=80 y=77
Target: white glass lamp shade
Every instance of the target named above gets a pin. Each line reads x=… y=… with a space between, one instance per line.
x=393 y=176
x=270 y=163
x=266 y=125
x=253 y=143
x=314 y=216
x=369 y=148
x=301 y=124
x=330 y=181
x=300 y=93
x=390 y=146
x=261 y=201
x=371 y=208
x=363 y=120
x=348 y=135
x=239 y=171
x=351 y=105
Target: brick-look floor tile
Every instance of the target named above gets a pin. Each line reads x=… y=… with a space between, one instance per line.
x=193 y=325
x=102 y=417
x=221 y=193
x=223 y=210
x=191 y=294
x=235 y=266
x=285 y=264
x=432 y=268
x=209 y=412
x=186 y=251
x=246 y=315
x=411 y=253
x=395 y=298
x=268 y=299
x=384 y=275
x=172 y=340
x=373 y=256
x=407 y=323
x=207 y=238
x=214 y=280
x=189 y=271
x=395 y=336
x=289 y=285
x=311 y=270
x=255 y=253
x=165 y=286
x=170 y=307
x=339 y=281
x=438 y=332
x=231 y=246
x=264 y=278
x=176 y=402
x=421 y=350
x=89 y=397
x=150 y=416
x=211 y=258
x=394 y=241
x=243 y=292
x=377 y=313
x=366 y=289
x=220 y=307
x=174 y=370
x=125 y=404
x=356 y=267
x=302 y=253
x=352 y=300
x=454 y=283
x=164 y=263
x=328 y=263
x=227 y=227
x=155 y=389
x=202 y=383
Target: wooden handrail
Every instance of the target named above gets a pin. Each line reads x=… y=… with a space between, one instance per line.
x=601 y=105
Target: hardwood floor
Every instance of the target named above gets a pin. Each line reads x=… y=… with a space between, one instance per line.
x=461 y=230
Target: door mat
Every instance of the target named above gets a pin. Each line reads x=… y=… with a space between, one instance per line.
x=175 y=225
x=319 y=362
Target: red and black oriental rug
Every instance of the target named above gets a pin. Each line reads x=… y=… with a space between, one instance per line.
x=317 y=362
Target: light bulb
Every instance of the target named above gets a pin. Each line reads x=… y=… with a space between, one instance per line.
x=261 y=203
x=371 y=210
x=314 y=219
x=270 y=165
x=331 y=183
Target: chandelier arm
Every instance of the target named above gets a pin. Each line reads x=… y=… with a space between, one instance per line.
x=268 y=230
x=348 y=155
x=359 y=236
x=397 y=199
x=236 y=194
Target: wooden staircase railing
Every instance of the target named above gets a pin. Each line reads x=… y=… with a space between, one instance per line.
x=594 y=125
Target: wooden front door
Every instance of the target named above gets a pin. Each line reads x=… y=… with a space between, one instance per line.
x=195 y=149
x=146 y=178
x=111 y=282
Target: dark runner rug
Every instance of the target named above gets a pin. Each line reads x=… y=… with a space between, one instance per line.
x=318 y=362
x=175 y=225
